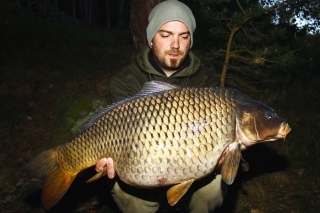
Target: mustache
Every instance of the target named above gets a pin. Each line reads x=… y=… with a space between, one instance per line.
x=173 y=52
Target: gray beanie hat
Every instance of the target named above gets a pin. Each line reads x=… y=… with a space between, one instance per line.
x=170 y=10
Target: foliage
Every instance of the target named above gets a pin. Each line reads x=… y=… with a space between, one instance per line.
x=246 y=43
x=302 y=14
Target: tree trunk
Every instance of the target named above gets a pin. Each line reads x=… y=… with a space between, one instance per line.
x=108 y=14
x=89 y=13
x=121 y=5
x=85 y=12
x=228 y=55
x=45 y=7
x=74 y=10
x=140 y=10
x=56 y=6
x=94 y=13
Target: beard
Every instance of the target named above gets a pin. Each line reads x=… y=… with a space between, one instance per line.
x=171 y=64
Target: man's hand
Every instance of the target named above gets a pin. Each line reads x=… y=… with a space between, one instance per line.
x=108 y=164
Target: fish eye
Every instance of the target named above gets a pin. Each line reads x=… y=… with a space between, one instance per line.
x=268 y=116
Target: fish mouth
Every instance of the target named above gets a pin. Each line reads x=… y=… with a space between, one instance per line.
x=282 y=134
x=284 y=130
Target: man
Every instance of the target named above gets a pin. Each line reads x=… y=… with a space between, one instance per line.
x=170 y=37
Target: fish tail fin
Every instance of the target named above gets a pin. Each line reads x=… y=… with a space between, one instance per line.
x=56 y=181
x=55 y=186
x=42 y=165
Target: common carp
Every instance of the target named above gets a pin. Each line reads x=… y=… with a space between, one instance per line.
x=163 y=136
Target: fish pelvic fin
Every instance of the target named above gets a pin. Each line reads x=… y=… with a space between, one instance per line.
x=56 y=181
x=175 y=193
x=55 y=186
x=103 y=172
x=231 y=163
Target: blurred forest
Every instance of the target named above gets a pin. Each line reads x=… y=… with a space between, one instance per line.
x=245 y=40
x=98 y=13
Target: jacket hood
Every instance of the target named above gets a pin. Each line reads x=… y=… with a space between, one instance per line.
x=146 y=66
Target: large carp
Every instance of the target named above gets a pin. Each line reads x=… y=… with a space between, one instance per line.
x=162 y=136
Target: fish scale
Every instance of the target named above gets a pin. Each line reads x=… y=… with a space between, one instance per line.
x=154 y=137
x=159 y=137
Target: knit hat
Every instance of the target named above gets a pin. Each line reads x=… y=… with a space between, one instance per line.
x=170 y=10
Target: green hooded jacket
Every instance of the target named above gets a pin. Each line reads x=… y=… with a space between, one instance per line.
x=129 y=80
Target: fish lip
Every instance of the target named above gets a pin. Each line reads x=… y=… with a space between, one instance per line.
x=280 y=136
x=273 y=138
x=285 y=129
x=247 y=144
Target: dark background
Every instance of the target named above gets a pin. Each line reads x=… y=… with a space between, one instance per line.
x=55 y=70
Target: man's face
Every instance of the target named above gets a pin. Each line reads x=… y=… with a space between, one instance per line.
x=170 y=46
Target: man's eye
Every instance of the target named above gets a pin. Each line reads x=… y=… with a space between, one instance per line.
x=164 y=35
x=185 y=36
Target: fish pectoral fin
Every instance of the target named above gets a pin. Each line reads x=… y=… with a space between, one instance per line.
x=103 y=172
x=230 y=164
x=177 y=191
x=244 y=165
x=55 y=186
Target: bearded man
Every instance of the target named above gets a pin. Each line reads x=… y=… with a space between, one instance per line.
x=167 y=58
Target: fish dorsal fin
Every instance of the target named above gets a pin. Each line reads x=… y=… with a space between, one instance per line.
x=231 y=163
x=148 y=88
x=177 y=191
x=151 y=87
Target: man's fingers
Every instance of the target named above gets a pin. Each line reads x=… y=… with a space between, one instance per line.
x=102 y=163
x=108 y=163
x=110 y=170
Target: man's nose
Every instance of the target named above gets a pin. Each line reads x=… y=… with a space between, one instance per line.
x=175 y=43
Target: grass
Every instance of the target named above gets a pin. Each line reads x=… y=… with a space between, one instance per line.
x=52 y=74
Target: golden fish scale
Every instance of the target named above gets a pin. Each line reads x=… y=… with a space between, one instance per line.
x=158 y=139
